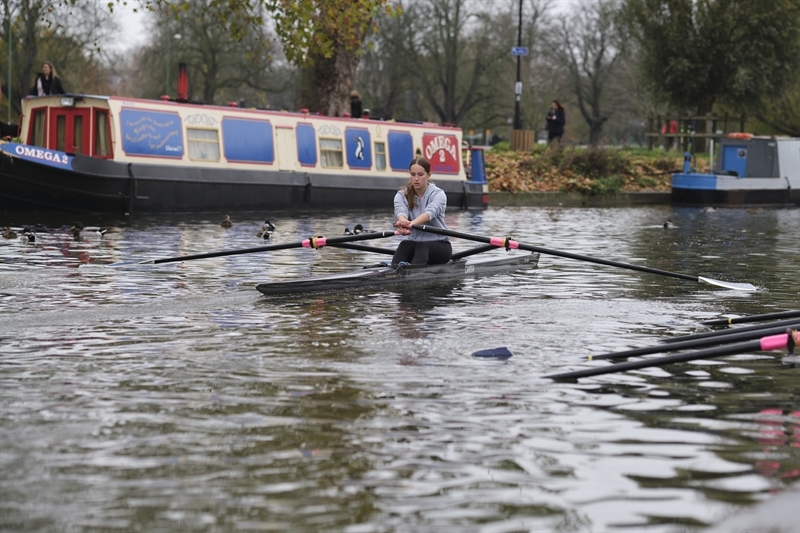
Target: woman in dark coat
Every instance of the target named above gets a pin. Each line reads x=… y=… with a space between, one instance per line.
x=556 y=118
x=355 y=105
x=46 y=82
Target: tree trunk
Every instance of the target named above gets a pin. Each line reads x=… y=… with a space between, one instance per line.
x=595 y=131
x=30 y=15
x=325 y=85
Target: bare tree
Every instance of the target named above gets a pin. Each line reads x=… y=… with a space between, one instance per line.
x=589 y=45
x=40 y=32
x=385 y=78
x=448 y=50
x=219 y=65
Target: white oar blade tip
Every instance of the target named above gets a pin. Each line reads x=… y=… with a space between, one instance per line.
x=502 y=353
x=729 y=284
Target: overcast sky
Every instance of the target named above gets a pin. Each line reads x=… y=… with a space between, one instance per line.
x=133 y=28
x=131 y=24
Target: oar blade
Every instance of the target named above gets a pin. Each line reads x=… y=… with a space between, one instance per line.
x=502 y=353
x=728 y=284
x=509 y=243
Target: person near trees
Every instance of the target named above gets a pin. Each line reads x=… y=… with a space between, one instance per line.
x=421 y=202
x=556 y=118
x=46 y=82
x=355 y=104
x=669 y=129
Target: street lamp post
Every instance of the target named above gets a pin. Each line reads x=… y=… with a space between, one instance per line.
x=166 y=80
x=8 y=95
x=518 y=85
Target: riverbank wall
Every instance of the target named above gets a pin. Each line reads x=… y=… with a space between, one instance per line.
x=573 y=199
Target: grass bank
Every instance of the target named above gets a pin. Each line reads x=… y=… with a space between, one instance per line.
x=592 y=171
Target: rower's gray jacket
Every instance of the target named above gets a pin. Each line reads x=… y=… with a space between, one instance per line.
x=434 y=202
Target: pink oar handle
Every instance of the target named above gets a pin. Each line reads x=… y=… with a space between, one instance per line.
x=318 y=242
x=501 y=242
x=774 y=342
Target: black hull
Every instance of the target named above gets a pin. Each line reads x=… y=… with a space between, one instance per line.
x=732 y=198
x=101 y=186
x=412 y=276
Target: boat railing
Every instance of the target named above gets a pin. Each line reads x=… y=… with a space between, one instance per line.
x=664 y=130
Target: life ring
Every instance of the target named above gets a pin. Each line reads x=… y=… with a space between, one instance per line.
x=740 y=135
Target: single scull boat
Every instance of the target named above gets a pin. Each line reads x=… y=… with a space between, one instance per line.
x=376 y=275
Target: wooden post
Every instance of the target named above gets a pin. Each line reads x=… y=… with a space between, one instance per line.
x=522 y=140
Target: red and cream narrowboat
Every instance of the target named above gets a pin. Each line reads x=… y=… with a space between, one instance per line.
x=111 y=154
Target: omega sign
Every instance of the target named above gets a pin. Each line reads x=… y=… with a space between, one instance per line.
x=43 y=155
x=442 y=152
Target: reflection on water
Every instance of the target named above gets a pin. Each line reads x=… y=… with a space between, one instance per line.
x=176 y=397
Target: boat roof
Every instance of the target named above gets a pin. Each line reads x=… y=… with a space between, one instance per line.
x=122 y=99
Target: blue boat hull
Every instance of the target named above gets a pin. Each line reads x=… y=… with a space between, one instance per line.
x=710 y=189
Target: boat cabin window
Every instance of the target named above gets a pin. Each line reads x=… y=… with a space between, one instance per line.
x=380 y=156
x=331 y=153
x=38 y=128
x=102 y=136
x=203 y=144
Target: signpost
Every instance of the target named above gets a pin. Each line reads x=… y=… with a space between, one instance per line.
x=520 y=139
x=518 y=51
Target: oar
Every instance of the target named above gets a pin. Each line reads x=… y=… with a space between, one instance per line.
x=751 y=318
x=696 y=343
x=363 y=248
x=312 y=242
x=472 y=251
x=722 y=333
x=502 y=242
x=765 y=344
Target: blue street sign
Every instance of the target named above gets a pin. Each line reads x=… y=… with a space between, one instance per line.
x=519 y=51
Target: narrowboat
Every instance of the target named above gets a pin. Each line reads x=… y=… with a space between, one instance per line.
x=748 y=170
x=112 y=154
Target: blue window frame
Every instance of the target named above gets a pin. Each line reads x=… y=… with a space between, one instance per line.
x=248 y=141
x=306 y=145
x=401 y=150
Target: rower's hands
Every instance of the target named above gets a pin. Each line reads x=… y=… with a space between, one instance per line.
x=403 y=227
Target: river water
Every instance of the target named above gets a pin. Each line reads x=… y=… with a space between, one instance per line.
x=176 y=397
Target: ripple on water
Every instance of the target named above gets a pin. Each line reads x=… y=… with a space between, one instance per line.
x=175 y=396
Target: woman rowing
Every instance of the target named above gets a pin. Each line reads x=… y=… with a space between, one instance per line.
x=421 y=202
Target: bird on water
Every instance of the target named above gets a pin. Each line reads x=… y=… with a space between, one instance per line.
x=266 y=230
x=357 y=230
x=9 y=234
x=78 y=228
x=227 y=223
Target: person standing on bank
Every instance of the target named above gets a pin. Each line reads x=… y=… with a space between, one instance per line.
x=355 y=104
x=556 y=118
x=47 y=82
x=421 y=202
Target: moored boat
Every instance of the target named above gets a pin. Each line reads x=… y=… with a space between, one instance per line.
x=748 y=170
x=110 y=154
x=410 y=275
